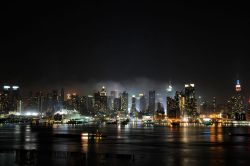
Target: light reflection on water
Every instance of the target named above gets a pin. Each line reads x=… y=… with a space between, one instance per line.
x=166 y=145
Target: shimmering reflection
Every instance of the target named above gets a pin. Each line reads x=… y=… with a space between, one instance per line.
x=30 y=139
x=149 y=145
x=216 y=134
x=84 y=142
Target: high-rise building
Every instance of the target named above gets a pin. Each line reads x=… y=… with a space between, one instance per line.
x=236 y=104
x=101 y=101
x=143 y=103
x=160 y=109
x=10 y=99
x=117 y=104
x=124 y=103
x=174 y=106
x=190 y=100
x=133 y=110
x=40 y=102
x=90 y=104
x=151 y=103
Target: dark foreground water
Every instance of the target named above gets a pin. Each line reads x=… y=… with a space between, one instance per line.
x=123 y=145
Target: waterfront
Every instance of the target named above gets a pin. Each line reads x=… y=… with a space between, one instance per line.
x=123 y=145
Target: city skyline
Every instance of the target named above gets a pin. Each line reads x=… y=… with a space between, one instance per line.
x=79 y=44
x=124 y=83
x=142 y=85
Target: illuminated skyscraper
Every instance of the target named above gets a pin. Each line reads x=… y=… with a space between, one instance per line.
x=143 y=103
x=190 y=101
x=101 y=101
x=133 y=110
x=174 y=106
x=10 y=99
x=151 y=103
x=236 y=103
x=117 y=104
x=124 y=102
x=111 y=98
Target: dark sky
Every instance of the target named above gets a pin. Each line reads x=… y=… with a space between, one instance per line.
x=66 y=44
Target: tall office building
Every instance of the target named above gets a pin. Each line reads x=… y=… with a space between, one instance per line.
x=90 y=104
x=160 y=109
x=143 y=104
x=117 y=104
x=133 y=110
x=236 y=103
x=174 y=106
x=84 y=105
x=40 y=98
x=124 y=103
x=10 y=99
x=151 y=103
x=190 y=101
x=101 y=101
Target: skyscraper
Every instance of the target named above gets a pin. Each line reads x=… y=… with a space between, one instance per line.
x=101 y=101
x=133 y=110
x=151 y=103
x=117 y=104
x=190 y=100
x=143 y=103
x=236 y=103
x=124 y=102
x=10 y=99
x=174 y=106
x=160 y=109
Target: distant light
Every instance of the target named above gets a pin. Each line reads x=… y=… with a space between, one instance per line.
x=170 y=88
x=192 y=85
x=185 y=119
x=133 y=96
x=141 y=94
x=15 y=87
x=31 y=113
x=6 y=87
x=206 y=119
x=103 y=87
x=186 y=85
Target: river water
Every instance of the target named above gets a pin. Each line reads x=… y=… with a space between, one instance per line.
x=123 y=145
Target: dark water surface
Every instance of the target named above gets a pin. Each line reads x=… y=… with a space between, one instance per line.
x=123 y=145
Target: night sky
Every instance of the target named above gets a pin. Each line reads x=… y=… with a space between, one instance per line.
x=72 y=45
